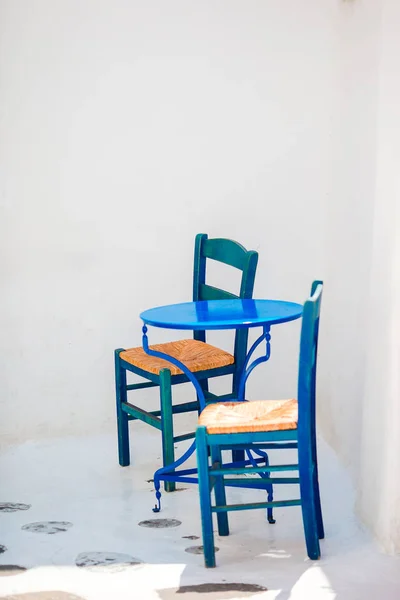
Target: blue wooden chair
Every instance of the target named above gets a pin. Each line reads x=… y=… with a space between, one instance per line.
x=258 y=426
x=205 y=360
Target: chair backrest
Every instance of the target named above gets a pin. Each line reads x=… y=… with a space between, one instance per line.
x=308 y=361
x=230 y=253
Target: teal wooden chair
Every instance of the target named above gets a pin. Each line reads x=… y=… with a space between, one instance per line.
x=205 y=360
x=258 y=426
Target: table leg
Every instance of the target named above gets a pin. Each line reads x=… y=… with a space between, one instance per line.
x=168 y=472
x=238 y=455
x=247 y=369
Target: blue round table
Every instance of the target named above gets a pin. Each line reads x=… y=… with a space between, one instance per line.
x=222 y=314
x=214 y=315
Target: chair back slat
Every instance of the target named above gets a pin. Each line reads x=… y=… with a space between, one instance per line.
x=209 y=292
x=225 y=251
x=235 y=255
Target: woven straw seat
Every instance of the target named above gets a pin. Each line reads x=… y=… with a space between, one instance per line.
x=245 y=417
x=196 y=355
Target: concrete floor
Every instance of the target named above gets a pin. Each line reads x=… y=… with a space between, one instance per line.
x=95 y=507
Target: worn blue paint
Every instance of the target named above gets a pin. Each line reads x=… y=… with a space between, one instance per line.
x=306 y=446
x=222 y=250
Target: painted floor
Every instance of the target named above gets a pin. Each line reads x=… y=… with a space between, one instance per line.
x=75 y=534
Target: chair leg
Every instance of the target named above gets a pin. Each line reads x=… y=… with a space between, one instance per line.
x=204 y=387
x=219 y=490
x=308 y=507
x=317 y=497
x=318 y=509
x=270 y=497
x=266 y=476
x=205 y=498
x=167 y=424
x=237 y=455
x=122 y=417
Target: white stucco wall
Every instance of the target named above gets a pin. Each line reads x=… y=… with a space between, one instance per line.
x=379 y=488
x=348 y=228
x=359 y=381
x=128 y=127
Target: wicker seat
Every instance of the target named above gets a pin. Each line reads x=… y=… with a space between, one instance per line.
x=245 y=417
x=196 y=355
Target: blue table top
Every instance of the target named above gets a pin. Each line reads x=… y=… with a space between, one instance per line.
x=222 y=314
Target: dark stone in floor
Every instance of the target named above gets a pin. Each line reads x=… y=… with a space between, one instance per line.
x=197 y=549
x=53 y=595
x=48 y=527
x=2 y=549
x=13 y=506
x=160 y=523
x=6 y=570
x=190 y=537
x=208 y=588
x=106 y=561
x=217 y=591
